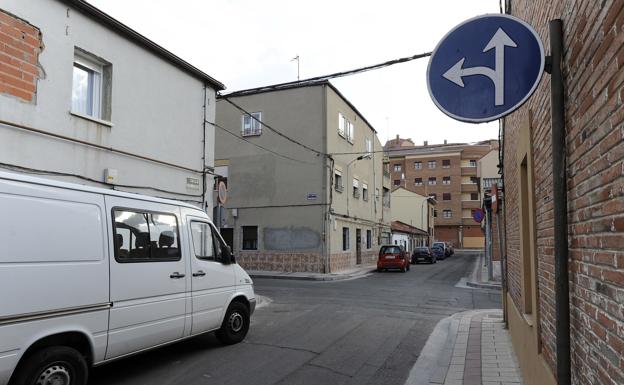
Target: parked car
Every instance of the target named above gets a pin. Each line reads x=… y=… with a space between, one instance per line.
x=444 y=246
x=423 y=253
x=393 y=257
x=98 y=275
x=438 y=252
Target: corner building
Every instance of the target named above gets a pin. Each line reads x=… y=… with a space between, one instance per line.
x=593 y=77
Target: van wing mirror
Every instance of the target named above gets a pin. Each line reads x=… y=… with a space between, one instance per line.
x=226 y=255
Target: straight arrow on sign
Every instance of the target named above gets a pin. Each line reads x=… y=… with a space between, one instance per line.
x=499 y=41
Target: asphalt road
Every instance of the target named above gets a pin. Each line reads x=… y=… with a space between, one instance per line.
x=363 y=331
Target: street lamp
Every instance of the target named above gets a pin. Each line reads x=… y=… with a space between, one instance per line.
x=366 y=156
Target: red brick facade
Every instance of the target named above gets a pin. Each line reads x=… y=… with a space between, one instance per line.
x=20 y=45
x=410 y=166
x=593 y=68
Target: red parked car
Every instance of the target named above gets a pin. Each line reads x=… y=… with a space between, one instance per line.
x=393 y=257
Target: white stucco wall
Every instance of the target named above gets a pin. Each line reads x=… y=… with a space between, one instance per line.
x=157 y=109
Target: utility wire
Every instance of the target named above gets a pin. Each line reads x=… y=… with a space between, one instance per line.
x=257 y=145
x=330 y=76
x=317 y=152
x=35 y=171
x=310 y=81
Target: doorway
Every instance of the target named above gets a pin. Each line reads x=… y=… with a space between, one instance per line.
x=358 y=246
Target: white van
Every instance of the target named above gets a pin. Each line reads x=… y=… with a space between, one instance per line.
x=90 y=275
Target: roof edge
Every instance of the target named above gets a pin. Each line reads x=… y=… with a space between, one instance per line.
x=293 y=85
x=107 y=20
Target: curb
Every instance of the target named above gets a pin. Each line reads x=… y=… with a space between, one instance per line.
x=494 y=286
x=319 y=277
x=474 y=280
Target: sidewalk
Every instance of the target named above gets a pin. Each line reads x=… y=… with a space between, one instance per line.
x=353 y=273
x=479 y=276
x=468 y=348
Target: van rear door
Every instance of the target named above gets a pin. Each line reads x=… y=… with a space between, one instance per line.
x=149 y=275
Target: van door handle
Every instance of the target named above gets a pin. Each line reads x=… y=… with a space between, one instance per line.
x=176 y=275
x=200 y=273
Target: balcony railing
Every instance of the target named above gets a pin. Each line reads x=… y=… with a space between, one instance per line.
x=471 y=204
x=469 y=187
x=488 y=182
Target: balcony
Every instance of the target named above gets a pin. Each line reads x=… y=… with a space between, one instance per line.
x=487 y=182
x=471 y=204
x=469 y=187
x=469 y=171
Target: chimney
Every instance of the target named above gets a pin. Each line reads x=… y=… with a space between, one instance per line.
x=425 y=143
x=397 y=138
x=444 y=141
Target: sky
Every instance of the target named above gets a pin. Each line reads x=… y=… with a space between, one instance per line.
x=251 y=43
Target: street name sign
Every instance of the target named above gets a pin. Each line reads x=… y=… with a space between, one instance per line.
x=485 y=68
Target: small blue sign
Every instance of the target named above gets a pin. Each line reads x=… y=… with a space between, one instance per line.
x=485 y=68
x=478 y=215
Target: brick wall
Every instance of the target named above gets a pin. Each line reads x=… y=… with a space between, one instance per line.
x=594 y=76
x=288 y=262
x=20 y=45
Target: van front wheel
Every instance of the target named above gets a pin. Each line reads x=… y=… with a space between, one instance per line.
x=60 y=365
x=235 y=324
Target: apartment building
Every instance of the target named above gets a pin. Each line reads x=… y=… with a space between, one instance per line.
x=449 y=174
x=306 y=189
x=412 y=218
x=564 y=250
x=84 y=98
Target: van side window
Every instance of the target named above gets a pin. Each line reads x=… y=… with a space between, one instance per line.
x=202 y=240
x=145 y=236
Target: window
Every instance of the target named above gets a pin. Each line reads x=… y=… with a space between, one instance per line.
x=474 y=196
x=356 y=188
x=432 y=180
x=446 y=196
x=341 y=125
x=397 y=182
x=446 y=163
x=446 y=180
x=251 y=124
x=90 y=97
x=369 y=146
x=418 y=181
x=474 y=180
x=434 y=196
x=364 y=191
x=338 y=181
x=472 y=163
x=418 y=165
x=203 y=244
x=250 y=237
x=386 y=197
x=145 y=237
x=431 y=164
x=435 y=213
x=369 y=239
x=397 y=168
x=345 y=238
x=350 y=131
x=447 y=213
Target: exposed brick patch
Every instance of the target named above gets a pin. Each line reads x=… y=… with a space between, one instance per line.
x=20 y=46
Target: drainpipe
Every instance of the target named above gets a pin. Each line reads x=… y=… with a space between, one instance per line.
x=562 y=294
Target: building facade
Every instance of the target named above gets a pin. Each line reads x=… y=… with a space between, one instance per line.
x=449 y=174
x=412 y=216
x=84 y=98
x=593 y=78
x=305 y=182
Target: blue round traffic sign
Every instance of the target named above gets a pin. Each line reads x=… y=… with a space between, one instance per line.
x=478 y=215
x=485 y=68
